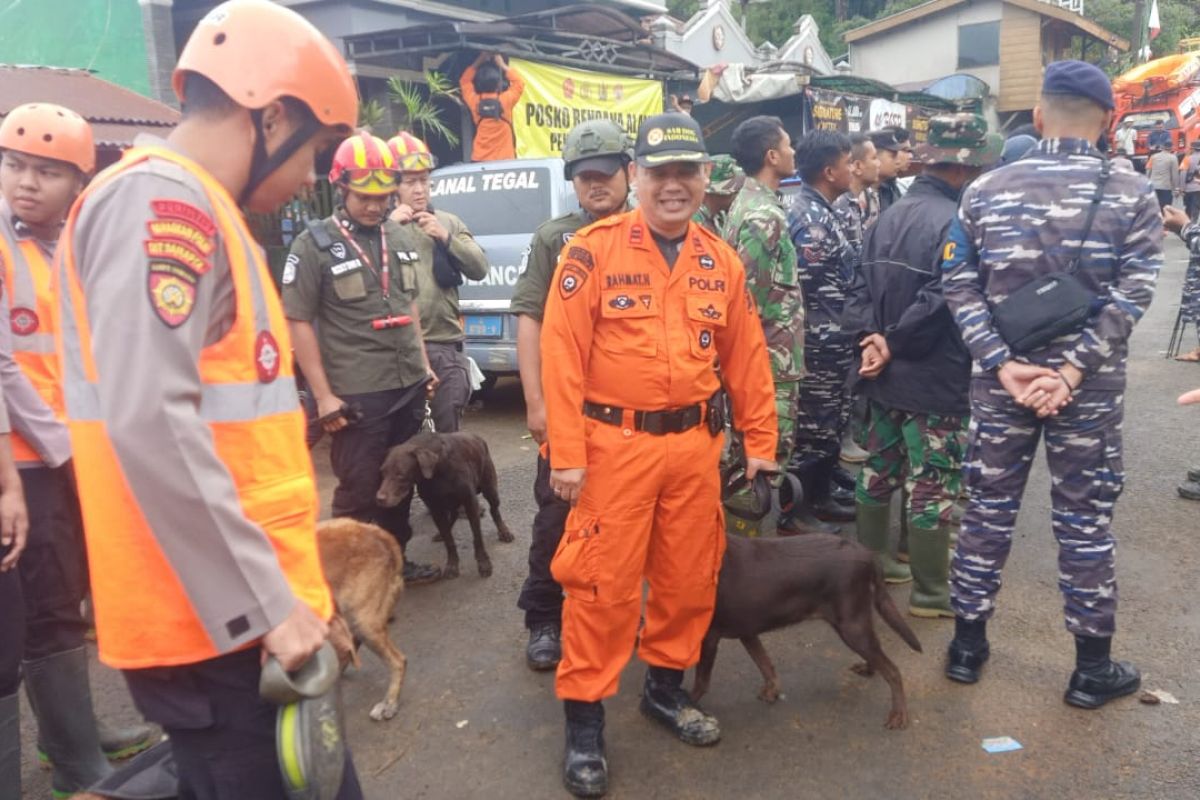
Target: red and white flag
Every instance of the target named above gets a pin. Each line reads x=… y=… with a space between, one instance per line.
x=1154 y=24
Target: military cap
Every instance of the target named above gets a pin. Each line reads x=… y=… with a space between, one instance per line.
x=670 y=137
x=1016 y=147
x=960 y=139
x=1080 y=79
x=885 y=139
x=726 y=177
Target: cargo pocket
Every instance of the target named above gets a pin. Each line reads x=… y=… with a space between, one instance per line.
x=575 y=565
x=706 y=312
x=350 y=285
x=632 y=326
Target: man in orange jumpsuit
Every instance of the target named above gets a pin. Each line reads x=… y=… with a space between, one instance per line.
x=643 y=303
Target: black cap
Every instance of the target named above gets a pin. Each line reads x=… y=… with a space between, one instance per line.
x=1080 y=79
x=670 y=137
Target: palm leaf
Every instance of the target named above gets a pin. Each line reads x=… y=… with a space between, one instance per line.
x=420 y=112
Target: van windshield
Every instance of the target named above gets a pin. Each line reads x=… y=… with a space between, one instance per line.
x=1143 y=120
x=495 y=201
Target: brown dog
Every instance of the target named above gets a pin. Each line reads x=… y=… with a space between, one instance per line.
x=364 y=566
x=448 y=471
x=767 y=584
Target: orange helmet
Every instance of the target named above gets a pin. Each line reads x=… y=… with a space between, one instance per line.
x=364 y=163
x=49 y=131
x=227 y=47
x=411 y=154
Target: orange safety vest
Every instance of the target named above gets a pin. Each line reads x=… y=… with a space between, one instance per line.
x=249 y=400
x=28 y=279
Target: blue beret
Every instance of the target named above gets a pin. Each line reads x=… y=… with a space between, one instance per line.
x=1080 y=79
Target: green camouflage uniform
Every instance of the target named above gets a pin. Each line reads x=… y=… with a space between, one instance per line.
x=725 y=179
x=757 y=229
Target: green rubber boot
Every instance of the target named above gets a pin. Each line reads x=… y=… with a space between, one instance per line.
x=902 y=542
x=930 y=554
x=872 y=523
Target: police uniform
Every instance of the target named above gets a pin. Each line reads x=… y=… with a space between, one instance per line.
x=337 y=284
x=198 y=496
x=628 y=334
x=824 y=265
x=12 y=646
x=441 y=269
x=541 y=597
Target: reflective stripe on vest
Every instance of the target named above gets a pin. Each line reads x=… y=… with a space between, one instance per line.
x=144 y=585
x=28 y=282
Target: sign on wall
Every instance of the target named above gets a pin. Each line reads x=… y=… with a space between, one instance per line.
x=557 y=99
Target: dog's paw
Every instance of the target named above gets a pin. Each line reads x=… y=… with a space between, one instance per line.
x=769 y=693
x=449 y=571
x=896 y=720
x=485 y=569
x=384 y=711
x=505 y=535
x=862 y=668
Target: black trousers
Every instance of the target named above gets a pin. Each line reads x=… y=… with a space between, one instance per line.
x=1165 y=197
x=1191 y=203
x=222 y=733
x=541 y=597
x=53 y=568
x=12 y=629
x=390 y=418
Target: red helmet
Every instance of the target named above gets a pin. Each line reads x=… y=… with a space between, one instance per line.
x=364 y=164
x=49 y=131
x=410 y=153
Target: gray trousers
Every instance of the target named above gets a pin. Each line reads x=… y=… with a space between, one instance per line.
x=449 y=363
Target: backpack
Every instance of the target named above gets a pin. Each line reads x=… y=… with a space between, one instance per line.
x=490 y=108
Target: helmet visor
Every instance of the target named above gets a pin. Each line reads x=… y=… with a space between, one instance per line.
x=370 y=180
x=413 y=162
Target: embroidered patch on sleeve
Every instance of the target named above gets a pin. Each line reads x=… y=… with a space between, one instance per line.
x=172 y=290
x=570 y=280
x=181 y=240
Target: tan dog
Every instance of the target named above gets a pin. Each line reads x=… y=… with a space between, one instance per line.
x=363 y=564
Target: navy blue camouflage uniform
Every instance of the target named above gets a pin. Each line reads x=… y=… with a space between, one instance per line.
x=1015 y=224
x=825 y=263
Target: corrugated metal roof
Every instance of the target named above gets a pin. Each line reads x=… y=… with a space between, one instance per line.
x=116 y=113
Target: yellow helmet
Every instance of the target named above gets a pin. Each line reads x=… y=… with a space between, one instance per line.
x=410 y=153
x=364 y=164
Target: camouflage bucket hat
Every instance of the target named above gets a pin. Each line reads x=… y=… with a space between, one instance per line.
x=726 y=177
x=960 y=139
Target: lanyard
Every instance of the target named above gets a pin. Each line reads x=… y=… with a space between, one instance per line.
x=384 y=278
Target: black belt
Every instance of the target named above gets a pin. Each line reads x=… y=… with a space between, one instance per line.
x=676 y=420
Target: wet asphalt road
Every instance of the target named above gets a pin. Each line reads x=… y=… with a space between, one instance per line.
x=475 y=722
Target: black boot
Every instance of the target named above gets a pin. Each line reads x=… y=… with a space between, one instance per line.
x=824 y=505
x=544 y=650
x=664 y=700
x=844 y=478
x=968 y=650
x=1097 y=678
x=585 y=767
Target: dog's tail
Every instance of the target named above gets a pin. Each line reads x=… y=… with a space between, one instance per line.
x=891 y=615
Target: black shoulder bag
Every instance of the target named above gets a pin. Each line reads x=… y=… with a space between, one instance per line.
x=1054 y=304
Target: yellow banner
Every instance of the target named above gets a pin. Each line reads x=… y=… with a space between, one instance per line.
x=557 y=99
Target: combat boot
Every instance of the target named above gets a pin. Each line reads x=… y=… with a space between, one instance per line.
x=1193 y=474
x=1189 y=490
x=801 y=522
x=61 y=699
x=1097 y=678
x=930 y=564
x=873 y=534
x=585 y=766
x=844 y=478
x=664 y=700
x=544 y=650
x=824 y=505
x=968 y=650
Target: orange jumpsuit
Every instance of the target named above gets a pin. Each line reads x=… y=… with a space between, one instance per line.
x=623 y=330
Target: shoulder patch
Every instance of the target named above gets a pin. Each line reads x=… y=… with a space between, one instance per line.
x=289 y=268
x=570 y=280
x=184 y=212
x=581 y=256
x=172 y=291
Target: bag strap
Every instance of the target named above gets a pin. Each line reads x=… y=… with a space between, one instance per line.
x=1105 y=171
x=321 y=236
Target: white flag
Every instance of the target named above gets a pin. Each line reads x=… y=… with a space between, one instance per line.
x=1154 y=24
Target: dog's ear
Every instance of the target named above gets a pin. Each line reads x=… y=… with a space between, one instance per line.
x=427 y=459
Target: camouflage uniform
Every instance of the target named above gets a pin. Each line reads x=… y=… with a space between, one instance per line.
x=757 y=229
x=1189 y=302
x=725 y=179
x=1015 y=224
x=852 y=217
x=824 y=262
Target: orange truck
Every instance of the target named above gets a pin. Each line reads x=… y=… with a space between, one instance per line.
x=1164 y=90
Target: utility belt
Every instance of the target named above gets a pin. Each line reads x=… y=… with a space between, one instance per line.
x=660 y=423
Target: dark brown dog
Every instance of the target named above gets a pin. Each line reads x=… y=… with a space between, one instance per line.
x=365 y=569
x=767 y=584
x=448 y=470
